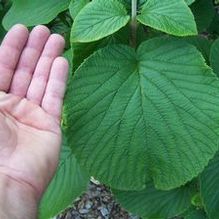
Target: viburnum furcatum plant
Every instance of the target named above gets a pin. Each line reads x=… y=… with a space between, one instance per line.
x=141 y=112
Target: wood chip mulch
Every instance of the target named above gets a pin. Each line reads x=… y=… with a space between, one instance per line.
x=96 y=203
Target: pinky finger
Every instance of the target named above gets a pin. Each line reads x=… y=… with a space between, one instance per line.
x=55 y=90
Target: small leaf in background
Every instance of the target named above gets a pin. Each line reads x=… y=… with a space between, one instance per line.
x=98 y=19
x=152 y=203
x=214 y=56
x=170 y=16
x=204 y=12
x=209 y=181
x=32 y=12
x=69 y=182
x=145 y=115
x=76 y=6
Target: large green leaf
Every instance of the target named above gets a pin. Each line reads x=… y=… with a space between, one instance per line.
x=209 y=181
x=132 y=117
x=214 y=56
x=32 y=12
x=69 y=182
x=204 y=13
x=76 y=6
x=170 y=16
x=99 y=19
x=152 y=203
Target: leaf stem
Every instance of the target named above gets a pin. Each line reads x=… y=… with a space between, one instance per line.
x=134 y=24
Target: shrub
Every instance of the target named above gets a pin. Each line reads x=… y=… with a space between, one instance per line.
x=141 y=112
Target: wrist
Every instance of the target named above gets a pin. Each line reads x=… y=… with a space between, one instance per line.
x=17 y=199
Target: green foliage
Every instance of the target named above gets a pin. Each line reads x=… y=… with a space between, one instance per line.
x=141 y=112
x=170 y=16
x=31 y=12
x=106 y=15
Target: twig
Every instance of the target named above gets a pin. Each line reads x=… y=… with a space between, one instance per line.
x=134 y=24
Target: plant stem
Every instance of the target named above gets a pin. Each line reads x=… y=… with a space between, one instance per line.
x=134 y=24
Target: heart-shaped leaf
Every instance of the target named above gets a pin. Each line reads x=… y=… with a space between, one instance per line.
x=133 y=117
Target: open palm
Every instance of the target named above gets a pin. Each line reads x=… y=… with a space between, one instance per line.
x=32 y=85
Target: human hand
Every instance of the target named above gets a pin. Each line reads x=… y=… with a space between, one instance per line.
x=32 y=86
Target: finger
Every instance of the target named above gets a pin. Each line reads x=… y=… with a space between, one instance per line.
x=55 y=90
x=10 y=52
x=53 y=48
x=28 y=60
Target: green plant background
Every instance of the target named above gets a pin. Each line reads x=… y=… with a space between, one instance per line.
x=141 y=110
